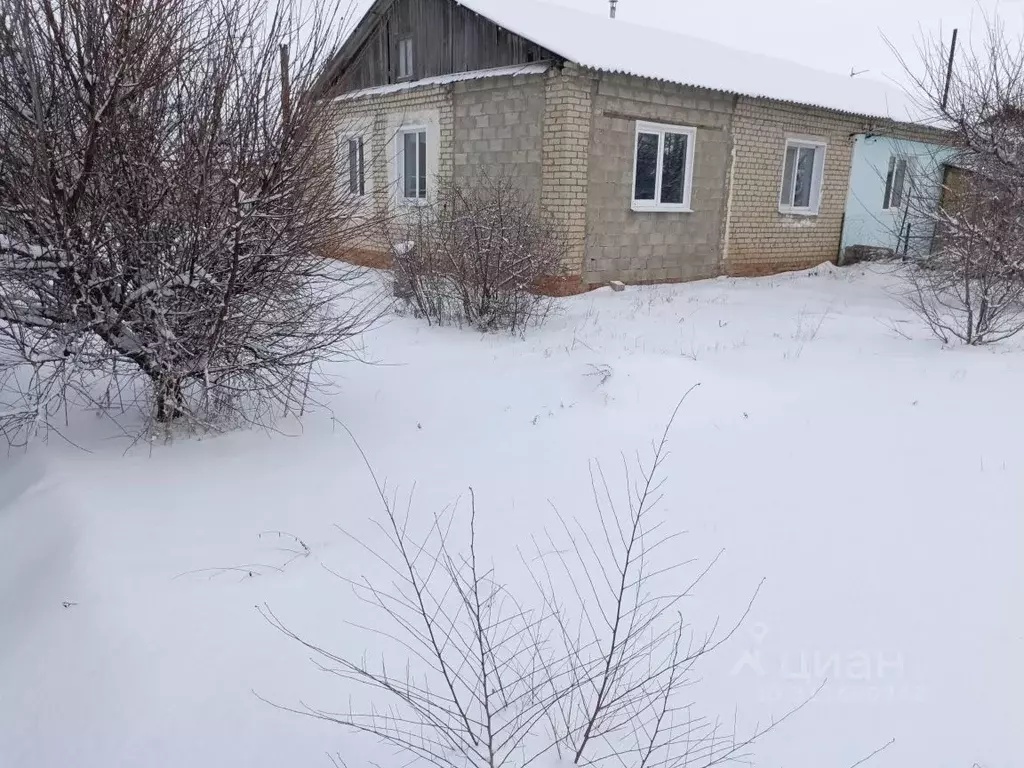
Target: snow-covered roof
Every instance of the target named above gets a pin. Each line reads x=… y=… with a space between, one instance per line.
x=538 y=68
x=613 y=45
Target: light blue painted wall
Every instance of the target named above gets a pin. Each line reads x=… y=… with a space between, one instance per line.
x=866 y=222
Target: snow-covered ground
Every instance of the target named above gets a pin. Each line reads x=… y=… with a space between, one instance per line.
x=874 y=480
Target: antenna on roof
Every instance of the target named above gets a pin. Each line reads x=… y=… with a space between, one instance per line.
x=611 y=12
x=949 y=71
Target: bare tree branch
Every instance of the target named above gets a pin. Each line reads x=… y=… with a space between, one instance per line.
x=970 y=288
x=596 y=672
x=166 y=192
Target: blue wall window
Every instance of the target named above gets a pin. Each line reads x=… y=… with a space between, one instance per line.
x=894 y=181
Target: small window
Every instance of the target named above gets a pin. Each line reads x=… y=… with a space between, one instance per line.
x=894 y=182
x=414 y=164
x=663 y=167
x=802 y=173
x=405 y=58
x=356 y=170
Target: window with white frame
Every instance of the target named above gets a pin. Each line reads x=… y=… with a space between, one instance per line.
x=895 y=180
x=802 y=173
x=405 y=58
x=413 y=163
x=356 y=168
x=662 y=167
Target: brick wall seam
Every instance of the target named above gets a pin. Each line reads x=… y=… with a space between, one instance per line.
x=761 y=239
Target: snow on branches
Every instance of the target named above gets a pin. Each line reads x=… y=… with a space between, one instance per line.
x=166 y=192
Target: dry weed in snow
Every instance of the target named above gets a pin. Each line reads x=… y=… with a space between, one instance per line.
x=593 y=670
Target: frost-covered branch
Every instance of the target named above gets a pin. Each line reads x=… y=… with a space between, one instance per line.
x=970 y=288
x=157 y=208
x=477 y=254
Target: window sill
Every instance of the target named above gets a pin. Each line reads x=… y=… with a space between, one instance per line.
x=797 y=212
x=662 y=208
x=413 y=202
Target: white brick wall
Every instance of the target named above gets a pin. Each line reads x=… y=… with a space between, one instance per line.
x=567 y=124
x=430 y=105
x=761 y=240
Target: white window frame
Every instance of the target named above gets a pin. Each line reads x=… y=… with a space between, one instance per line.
x=661 y=129
x=405 y=53
x=820 y=147
x=360 y=181
x=894 y=160
x=405 y=130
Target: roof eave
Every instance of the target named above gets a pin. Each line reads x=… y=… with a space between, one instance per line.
x=775 y=100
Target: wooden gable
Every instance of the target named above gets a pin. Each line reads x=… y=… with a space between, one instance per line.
x=445 y=38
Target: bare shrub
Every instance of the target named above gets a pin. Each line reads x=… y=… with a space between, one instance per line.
x=476 y=255
x=971 y=287
x=595 y=670
x=165 y=191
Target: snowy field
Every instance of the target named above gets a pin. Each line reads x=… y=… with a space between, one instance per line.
x=873 y=479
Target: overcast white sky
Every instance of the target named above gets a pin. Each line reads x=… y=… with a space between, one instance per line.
x=832 y=35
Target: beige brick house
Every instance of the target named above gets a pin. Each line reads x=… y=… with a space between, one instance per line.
x=662 y=157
